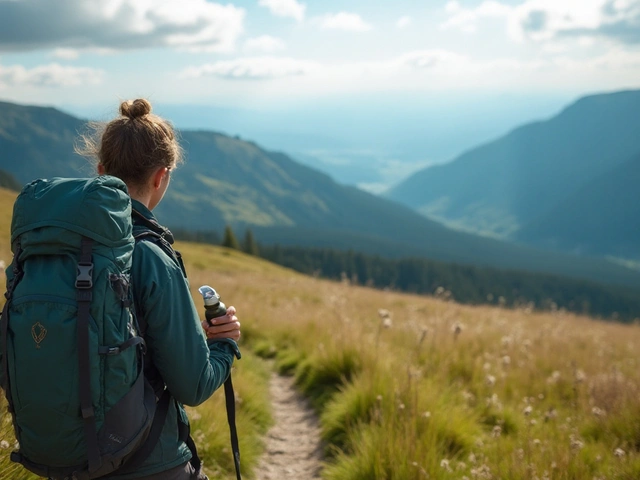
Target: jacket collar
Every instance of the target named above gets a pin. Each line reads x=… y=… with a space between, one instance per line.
x=142 y=216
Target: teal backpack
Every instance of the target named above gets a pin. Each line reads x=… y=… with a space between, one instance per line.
x=72 y=358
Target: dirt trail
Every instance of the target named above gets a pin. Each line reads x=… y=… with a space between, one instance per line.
x=293 y=447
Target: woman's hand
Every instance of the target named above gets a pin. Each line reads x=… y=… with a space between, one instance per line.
x=226 y=326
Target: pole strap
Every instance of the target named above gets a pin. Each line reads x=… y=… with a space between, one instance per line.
x=230 y=401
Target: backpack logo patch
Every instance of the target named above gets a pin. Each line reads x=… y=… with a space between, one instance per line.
x=38 y=332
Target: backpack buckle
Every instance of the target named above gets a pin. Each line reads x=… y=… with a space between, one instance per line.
x=84 y=278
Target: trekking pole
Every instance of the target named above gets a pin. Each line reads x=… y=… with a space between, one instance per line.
x=213 y=308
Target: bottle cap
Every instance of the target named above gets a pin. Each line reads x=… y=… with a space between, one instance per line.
x=209 y=295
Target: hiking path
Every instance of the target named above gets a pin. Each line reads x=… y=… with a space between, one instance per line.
x=293 y=447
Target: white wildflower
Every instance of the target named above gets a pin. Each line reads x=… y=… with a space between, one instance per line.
x=444 y=463
x=555 y=376
x=575 y=443
x=551 y=414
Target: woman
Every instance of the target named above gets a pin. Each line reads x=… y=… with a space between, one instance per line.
x=142 y=150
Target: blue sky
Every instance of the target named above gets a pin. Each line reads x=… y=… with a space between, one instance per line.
x=245 y=52
x=278 y=56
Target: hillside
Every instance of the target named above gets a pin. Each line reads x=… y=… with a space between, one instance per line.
x=599 y=218
x=7 y=181
x=38 y=142
x=505 y=185
x=228 y=180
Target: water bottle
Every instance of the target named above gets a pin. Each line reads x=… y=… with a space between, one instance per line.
x=213 y=307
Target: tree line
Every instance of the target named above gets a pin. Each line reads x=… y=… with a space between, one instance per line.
x=461 y=283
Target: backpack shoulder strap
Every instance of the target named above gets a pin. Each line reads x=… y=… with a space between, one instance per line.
x=146 y=229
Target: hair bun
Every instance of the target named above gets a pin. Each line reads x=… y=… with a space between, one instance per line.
x=135 y=108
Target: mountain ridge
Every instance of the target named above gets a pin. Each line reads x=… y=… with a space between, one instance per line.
x=502 y=185
x=230 y=181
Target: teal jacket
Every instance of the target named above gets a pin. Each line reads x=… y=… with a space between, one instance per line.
x=181 y=357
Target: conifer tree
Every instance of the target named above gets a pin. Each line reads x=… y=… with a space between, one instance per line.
x=229 y=239
x=250 y=246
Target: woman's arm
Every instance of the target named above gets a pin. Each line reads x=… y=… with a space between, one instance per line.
x=191 y=367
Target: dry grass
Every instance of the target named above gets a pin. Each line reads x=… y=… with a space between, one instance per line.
x=438 y=390
x=427 y=389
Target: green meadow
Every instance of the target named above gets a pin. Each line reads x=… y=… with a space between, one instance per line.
x=412 y=387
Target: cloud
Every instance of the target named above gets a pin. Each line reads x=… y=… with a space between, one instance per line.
x=540 y=20
x=546 y=20
x=422 y=70
x=264 y=43
x=52 y=75
x=253 y=68
x=66 y=53
x=350 y=22
x=466 y=19
x=432 y=59
x=403 y=22
x=285 y=8
x=118 y=24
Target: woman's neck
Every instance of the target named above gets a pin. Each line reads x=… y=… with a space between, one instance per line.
x=144 y=199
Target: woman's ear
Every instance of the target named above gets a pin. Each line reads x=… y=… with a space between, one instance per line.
x=159 y=176
x=100 y=169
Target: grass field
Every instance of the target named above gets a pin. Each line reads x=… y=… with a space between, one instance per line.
x=413 y=387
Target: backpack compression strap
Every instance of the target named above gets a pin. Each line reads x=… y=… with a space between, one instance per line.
x=84 y=284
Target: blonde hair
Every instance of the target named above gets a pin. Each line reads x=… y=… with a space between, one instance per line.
x=132 y=146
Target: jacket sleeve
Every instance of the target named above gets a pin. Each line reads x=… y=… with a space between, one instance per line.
x=191 y=367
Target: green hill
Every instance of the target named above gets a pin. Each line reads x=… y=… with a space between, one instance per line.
x=506 y=184
x=8 y=181
x=230 y=181
x=38 y=142
x=599 y=218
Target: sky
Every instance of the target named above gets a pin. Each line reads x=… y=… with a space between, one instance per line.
x=324 y=79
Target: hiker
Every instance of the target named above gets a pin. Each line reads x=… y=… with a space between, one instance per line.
x=141 y=149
